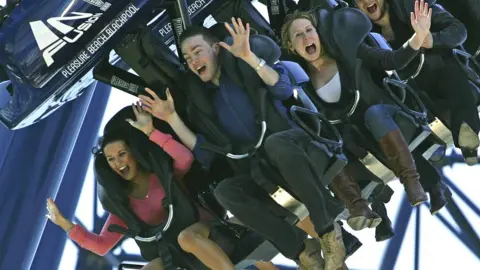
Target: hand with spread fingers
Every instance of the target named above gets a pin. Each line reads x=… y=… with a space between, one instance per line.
x=421 y=19
x=241 y=39
x=55 y=216
x=144 y=120
x=161 y=109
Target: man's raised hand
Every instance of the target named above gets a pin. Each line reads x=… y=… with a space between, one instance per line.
x=241 y=39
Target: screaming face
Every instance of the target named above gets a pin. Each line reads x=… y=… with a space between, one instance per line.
x=201 y=57
x=375 y=9
x=121 y=160
x=304 y=40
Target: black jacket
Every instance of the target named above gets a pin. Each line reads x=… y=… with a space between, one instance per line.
x=447 y=33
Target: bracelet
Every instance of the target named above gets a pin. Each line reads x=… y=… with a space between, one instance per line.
x=260 y=65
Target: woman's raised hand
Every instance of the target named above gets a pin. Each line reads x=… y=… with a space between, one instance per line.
x=161 y=109
x=56 y=216
x=144 y=120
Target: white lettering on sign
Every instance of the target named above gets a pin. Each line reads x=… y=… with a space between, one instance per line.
x=50 y=43
x=99 y=41
x=166 y=29
x=196 y=6
x=119 y=83
x=99 y=3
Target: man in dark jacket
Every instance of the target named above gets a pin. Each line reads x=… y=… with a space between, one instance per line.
x=441 y=76
x=233 y=110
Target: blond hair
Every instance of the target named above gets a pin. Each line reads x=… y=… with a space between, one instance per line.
x=289 y=19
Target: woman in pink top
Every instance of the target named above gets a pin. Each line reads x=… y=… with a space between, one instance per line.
x=146 y=197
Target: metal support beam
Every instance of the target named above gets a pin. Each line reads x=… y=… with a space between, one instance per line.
x=466 y=229
x=34 y=163
x=401 y=224
x=53 y=239
x=418 y=225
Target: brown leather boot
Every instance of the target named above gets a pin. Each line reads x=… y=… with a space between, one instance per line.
x=361 y=216
x=402 y=164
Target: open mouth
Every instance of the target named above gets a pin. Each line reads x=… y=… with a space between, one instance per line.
x=311 y=49
x=372 y=8
x=124 y=170
x=201 y=70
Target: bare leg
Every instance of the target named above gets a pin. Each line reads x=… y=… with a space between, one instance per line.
x=194 y=239
x=306 y=225
x=265 y=266
x=156 y=264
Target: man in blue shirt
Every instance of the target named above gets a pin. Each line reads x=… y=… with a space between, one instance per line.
x=286 y=150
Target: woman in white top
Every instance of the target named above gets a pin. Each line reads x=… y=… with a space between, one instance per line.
x=331 y=78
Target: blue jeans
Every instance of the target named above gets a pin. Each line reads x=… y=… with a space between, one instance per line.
x=379 y=119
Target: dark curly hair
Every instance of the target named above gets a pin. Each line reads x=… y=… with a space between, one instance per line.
x=118 y=133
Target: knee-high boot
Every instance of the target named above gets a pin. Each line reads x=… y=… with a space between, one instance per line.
x=395 y=148
x=361 y=216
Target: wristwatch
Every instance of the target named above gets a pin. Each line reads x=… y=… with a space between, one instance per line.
x=260 y=65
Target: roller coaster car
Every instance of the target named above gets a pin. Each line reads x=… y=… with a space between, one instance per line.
x=303 y=112
x=441 y=135
x=52 y=58
x=361 y=143
x=49 y=47
x=435 y=131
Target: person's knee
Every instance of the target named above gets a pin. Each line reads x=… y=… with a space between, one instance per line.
x=273 y=143
x=187 y=239
x=374 y=112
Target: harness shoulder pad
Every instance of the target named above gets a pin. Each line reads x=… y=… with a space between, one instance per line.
x=380 y=41
x=296 y=72
x=350 y=27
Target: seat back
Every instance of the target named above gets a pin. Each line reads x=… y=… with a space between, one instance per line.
x=468 y=12
x=306 y=5
x=155 y=64
x=223 y=11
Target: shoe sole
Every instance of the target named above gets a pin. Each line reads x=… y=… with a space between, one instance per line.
x=419 y=202
x=467 y=138
x=384 y=238
x=360 y=223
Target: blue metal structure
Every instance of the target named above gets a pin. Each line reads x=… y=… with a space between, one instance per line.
x=50 y=249
x=467 y=234
x=33 y=162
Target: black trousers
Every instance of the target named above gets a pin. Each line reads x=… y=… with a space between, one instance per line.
x=290 y=152
x=448 y=81
x=429 y=175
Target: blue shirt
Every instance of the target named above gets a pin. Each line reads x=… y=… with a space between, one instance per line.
x=236 y=112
